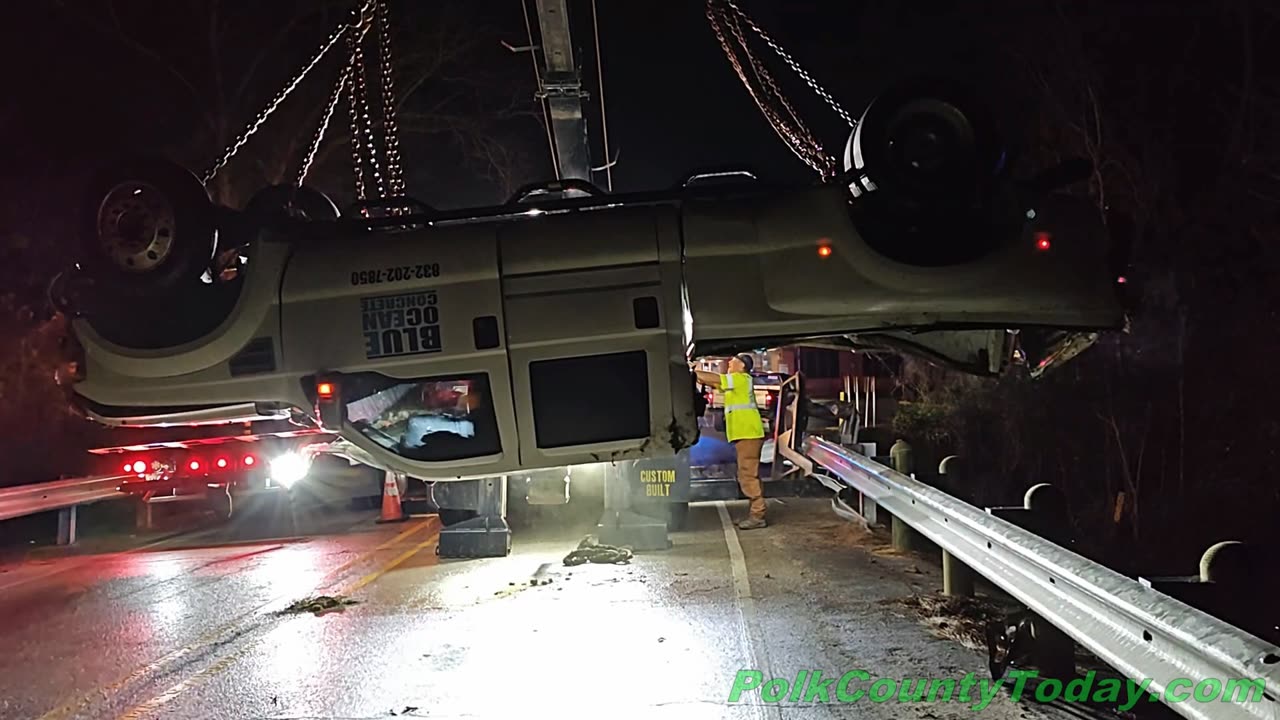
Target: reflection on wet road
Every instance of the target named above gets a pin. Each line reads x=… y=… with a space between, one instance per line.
x=196 y=631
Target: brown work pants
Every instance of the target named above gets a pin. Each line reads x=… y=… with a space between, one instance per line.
x=749 y=473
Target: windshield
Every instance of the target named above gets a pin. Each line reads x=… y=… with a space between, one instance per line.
x=431 y=420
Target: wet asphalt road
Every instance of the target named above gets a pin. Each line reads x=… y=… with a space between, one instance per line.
x=190 y=628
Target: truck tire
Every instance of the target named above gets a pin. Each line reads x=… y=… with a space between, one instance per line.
x=148 y=228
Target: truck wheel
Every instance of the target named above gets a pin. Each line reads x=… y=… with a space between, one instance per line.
x=148 y=228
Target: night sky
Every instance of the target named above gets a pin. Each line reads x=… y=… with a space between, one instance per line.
x=674 y=104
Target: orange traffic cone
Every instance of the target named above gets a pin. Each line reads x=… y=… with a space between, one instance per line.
x=391 y=509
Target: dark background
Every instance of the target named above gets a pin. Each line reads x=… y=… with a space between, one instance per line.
x=1175 y=102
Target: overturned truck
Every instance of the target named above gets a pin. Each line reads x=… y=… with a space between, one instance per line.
x=556 y=330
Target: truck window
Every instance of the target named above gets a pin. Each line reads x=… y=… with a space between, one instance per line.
x=426 y=419
x=590 y=399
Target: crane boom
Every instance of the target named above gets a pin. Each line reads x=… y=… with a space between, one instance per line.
x=560 y=85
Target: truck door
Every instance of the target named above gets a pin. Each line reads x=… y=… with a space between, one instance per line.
x=595 y=336
x=411 y=323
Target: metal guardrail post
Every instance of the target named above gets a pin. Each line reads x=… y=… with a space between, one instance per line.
x=1227 y=586
x=1227 y=562
x=143 y=517
x=1044 y=512
x=868 y=510
x=957 y=578
x=1143 y=633
x=903 y=456
x=902 y=535
x=1232 y=571
x=67 y=525
x=904 y=538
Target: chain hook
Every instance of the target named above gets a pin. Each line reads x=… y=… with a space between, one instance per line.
x=362 y=15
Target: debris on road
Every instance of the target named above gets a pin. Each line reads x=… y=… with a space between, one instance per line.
x=542 y=576
x=591 y=551
x=318 y=605
x=967 y=620
x=964 y=619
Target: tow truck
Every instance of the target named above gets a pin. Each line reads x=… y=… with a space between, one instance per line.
x=219 y=469
x=553 y=333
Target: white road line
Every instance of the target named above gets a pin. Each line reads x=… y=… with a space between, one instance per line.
x=752 y=642
x=56 y=568
x=67 y=563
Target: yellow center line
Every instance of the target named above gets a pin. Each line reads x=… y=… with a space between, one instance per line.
x=199 y=677
x=155 y=703
x=435 y=537
x=217 y=634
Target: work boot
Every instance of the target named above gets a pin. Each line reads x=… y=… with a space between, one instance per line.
x=752 y=523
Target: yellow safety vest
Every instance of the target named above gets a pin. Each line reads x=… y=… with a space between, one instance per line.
x=741 y=416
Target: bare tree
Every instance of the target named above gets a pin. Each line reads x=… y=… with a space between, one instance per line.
x=189 y=75
x=227 y=61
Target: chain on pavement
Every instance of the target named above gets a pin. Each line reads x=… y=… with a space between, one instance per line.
x=591 y=551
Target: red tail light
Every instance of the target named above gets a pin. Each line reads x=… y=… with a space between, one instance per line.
x=139 y=467
x=221 y=463
x=194 y=465
x=128 y=467
x=249 y=460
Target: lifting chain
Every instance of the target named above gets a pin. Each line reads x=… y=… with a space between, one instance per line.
x=390 y=133
x=280 y=96
x=795 y=66
x=353 y=83
x=361 y=132
x=727 y=21
x=363 y=143
x=318 y=138
x=791 y=129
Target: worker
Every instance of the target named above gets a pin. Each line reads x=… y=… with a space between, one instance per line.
x=744 y=429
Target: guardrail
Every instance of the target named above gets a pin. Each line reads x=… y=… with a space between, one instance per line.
x=1138 y=630
x=64 y=495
